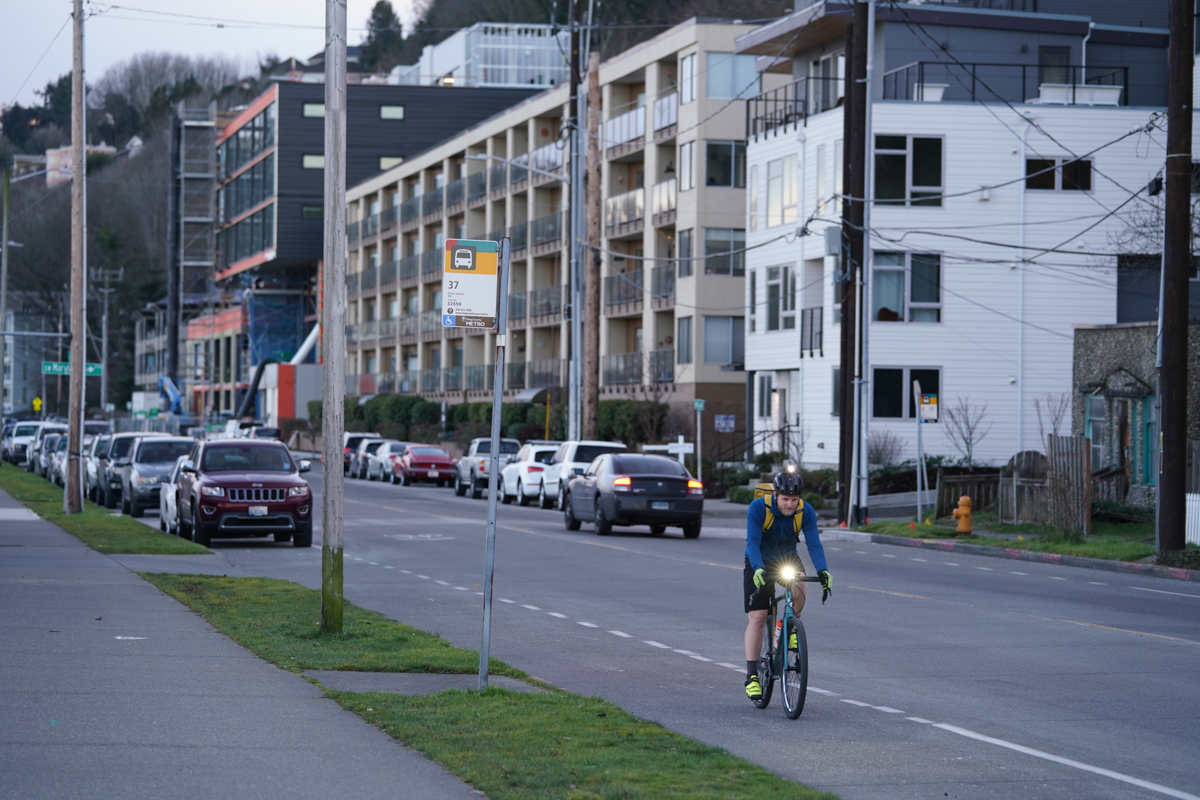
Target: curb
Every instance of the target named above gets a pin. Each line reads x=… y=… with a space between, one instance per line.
x=1152 y=570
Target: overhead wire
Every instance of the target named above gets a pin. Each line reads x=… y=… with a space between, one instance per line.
x=38 y=63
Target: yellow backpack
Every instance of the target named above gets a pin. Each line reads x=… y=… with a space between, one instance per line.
x=765 y=490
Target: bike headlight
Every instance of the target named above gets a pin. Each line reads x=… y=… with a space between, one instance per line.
x=788 y=574
x=212 y=491
x=297 y=491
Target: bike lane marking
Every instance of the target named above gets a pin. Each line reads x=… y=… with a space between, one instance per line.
x=1160 y=591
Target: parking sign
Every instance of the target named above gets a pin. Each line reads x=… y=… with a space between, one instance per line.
x=471 y=284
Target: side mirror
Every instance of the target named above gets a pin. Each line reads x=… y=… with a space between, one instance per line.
x=306 y=466
x=188 y=467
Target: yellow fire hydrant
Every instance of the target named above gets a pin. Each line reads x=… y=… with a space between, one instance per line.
x=963 y=515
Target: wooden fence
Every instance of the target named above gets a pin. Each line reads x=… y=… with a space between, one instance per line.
x=1063 y=498
x=982 y=489
x=1193 y=467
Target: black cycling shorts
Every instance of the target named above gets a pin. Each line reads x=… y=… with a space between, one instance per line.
x=762 y=601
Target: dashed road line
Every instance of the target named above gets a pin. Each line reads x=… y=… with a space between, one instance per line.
x=950 y=563
x=1055 y=578
x=1018 y=573
x=653 y=643
x=887 y=709
x=557 y=614
x=684 y=652
x=441 y=583
x=462 y=588
x=1128 y=630
x=888 y=555
x=918 y=559
x=856 y=702
x=739 y=669
x=423 y=577
x=588 y=624
x=622 y=634
x=1097 y=583
x=506 y=600
x=531 y=608
x=1160 y=591
x=920 y=720
x=822 y=691
x=985 y=569
x=700 y=658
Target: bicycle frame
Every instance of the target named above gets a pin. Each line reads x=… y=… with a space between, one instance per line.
x=778 y=654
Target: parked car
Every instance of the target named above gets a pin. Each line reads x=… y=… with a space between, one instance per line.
x=264 y=432
x=96 y=427
x=362 y=455
x=635 y=489
x=244 y=487
x=6 y=439
x=45 y=455
x=571 y=459
x=168 y=495
x=239 y=428
x=91 y=473
x=423 y=462
x=56 y=461
x=151 y=459
x=471 y=473
x=21 y=440
x=350 y=443
x=379 y=462
x=522 y=478
x=115 y=460
x=35 y=464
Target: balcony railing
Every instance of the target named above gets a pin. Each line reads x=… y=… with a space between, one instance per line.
x=791 y=103
x=367 y=330
x=456 y=191
x=432 y=202
x=385 y=383
x=408 y=324
x=407 y=381
x=622 y=369
x=626 y=128
x=480 y=377
x=352 y=232
x=624 y=287
x=388 y=218
x=410 y=210
x=477 y=186
x=933 y=81
x=370 y=226
x=662 y=366
x=515 y=372
x=388 y=327
x=547 y=159
x=366 y=279
x=812 y=331
x=498 y=176
x=625 y=208
x=432 y=261
x=410 y=266
x=516 y=305
x=663 y=198
x=546 y=230
x=351 y=384
x=431 y=320
x=518 y=169
x=547 y=300
x=547 y=372
x=666 y=111
x=351 y=282
x=452 y=379
x=519 y=234
x=387 y=273
x=662 y=283
x=431 y=380
x=495 y=236
x=351 y=334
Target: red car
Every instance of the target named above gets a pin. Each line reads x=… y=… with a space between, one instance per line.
x=423 y=462
x=244 y=487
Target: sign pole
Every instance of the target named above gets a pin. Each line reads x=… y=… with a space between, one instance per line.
x=489 y=558
x=699 y=406
x=916 y=387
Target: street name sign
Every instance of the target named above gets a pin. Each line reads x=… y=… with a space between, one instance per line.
x=64 y=368
x=698 y=405
x=471 y=284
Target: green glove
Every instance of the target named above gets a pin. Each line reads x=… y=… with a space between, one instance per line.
x=760 y=578
x=826 y=584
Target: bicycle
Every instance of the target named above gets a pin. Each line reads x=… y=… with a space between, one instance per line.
x=784 y=663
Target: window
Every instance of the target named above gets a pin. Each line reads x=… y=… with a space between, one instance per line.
x=892 y=390
x=687 y=79
x=726 y=164
x=908 y=170
x=1054 y=64
x=1096 y=429
x=1058 y=174
x=387 y=162
x=312 y=212
x=781 y=298
x=820 y=179
x=687 y=166
x=1150 y=440
x=686 y=253
x=837 y=177
x=906 y=287
x=753 y=199
x=314 y=109
x=685 y=341
x=764 y=395
x=250 y=188
x=719 y=255
x=752 y=303
x=391 y=112
x=724 y=340
x=782 y=191
x=837 y=391
x=729 y=76
x=312 y=161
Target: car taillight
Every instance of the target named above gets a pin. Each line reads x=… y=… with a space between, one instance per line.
x=695 y=487
x=346 y=451
x=536 y=469
x=623 y=485
x=483 y=463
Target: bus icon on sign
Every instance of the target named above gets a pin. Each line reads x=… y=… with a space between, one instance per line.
x=463 y=259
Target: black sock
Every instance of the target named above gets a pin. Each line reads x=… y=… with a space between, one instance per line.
x=751 y=669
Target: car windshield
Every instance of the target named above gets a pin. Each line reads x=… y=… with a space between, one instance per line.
x=101 y=445
x=647 y=465
x=48 y=431
x=266 y=433
x=162 y=452
x=544 y=456
x=62 y=444
x=25 y=430
x=505 y=447
x=232 y=458
x=428 y=451
x=121 y=447
x=373 y=447
x=587 y=453
x=354 y=441
x=95 y=427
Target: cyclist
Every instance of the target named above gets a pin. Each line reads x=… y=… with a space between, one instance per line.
x=768 y=548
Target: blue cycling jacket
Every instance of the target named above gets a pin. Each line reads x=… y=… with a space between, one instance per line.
x=779 y=541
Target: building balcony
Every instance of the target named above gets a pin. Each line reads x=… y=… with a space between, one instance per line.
x=370 y=226
x=389 y=218
x=515 y=374
x=545 y=302
x=352 y=385
x=545 y=233
x=622 y=369
x=352 y=232
x=408 y=325
x=547 y=372
x=476 y=188
x=495 y=236
x=498 y=179
x=351 y=283
x=662 y=286
x=387 y=274
x=625 y=133
x=790 y=104
x=432 y=203
x=518 y=172
x=666 y=117
x=663 y=199
x=385 y=383
x=431 y=380
x=367 y=332
x=516 y=306
x=479 y=378
x=431 y=324
x=543 y=160
x=452 y=379
x=662 y=366
x=519 y=234
x=623 y=293
x=624 y=214
x=367 y=279
x=410 y=267
x=456 y=192
x=812 y=333
x=934 y=81
x=432 y=262
x=388 y=328
x=410 y=213
x=351 y=335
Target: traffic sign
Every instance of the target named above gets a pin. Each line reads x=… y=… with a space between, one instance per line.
x=37 y=404
x=681 y=448
x=471 y=284
x=929 y=408
x=698 y=405
x=724 y=423
x=64 y=368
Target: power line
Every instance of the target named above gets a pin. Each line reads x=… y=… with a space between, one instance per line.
x=38 y=62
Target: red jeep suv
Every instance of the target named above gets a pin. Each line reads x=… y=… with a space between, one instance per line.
x=244 y=487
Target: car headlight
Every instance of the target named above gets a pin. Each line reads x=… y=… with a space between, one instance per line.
x=212 y=491
x=297 y=491
x=145 y=478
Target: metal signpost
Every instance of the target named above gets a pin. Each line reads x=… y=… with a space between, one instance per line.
x=927 y=412
x=699 y=406
x=475 y=295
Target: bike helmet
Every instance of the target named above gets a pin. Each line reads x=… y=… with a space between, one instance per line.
x=789 y=482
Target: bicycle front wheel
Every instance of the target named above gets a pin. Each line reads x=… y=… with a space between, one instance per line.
x=795 y=668
x=766 y=657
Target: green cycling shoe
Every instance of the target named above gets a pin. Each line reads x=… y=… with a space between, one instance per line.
x=754 y=688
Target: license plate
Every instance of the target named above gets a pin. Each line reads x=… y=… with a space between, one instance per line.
x=433 y=473
x=258 y=511
x=660 y=506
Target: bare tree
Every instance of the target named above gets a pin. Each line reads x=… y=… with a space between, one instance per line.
x=883 y=448
x=652 y=397
x=965 y=426
x=1053 y=407
x=139 y=77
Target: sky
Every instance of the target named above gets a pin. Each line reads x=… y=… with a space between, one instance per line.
x=41 y=30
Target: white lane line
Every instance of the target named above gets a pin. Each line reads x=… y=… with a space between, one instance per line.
x=556 y=614
x=442 y=583
x=373 y=563
x=950 y=563
x=462 y=588
x=856 y=703
x=887 y=709
x=1056 y=578
x=1019 y=573
x=588 y=624
x=407 y=571
x=821 y=691
x=886 y=555
x=622 y=634
x=920 y=720
x=385 y=566
x=531 y=608
x=985 y=569
x=739 y=669
x=1097 y=583
x=833 y=548
x=479 y=593
x=918 y=559
x=861 y=552
x=702 y=658
x=656 y=644
x=1160 y=591
x=423 y=577
x=506 y=600
x=1108 y=773
x=684 y=652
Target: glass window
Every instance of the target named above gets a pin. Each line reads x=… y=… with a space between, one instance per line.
x=765 y=391
x=782 y=191
x=929 y=380
x=906 y=287
x=908 y=170
x=1150 y=441
x=387 y=162
x=314 y=109
x=888 y=393
x=312 y=161
x=687 y=79
x=724 y=251
x=724 y=339
x=312 y=212
x=152 y=452
x=687 y=166
x=725 y=164
x=1096 y=429
x=752 y=301
x=837 y=391
x=729 y=76
x=684 y=343
x=686 y=253
x=246 y=458
x=646 y=465
x=1040 y=174
x=752 y=190
x=1058 y=174
x=391 y=112
x=781 y=298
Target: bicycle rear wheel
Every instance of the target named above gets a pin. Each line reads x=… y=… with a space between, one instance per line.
x=766 y=657
x=795 y=669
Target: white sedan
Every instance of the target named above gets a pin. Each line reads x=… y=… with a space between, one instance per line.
x=522 y=479
x=168 y=506
x=377 y=466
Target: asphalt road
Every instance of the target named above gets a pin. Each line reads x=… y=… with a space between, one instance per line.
x=931 y=675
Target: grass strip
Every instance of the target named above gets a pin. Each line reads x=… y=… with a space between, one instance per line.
x=516 y=746
x=97 y=527
x=511 y=745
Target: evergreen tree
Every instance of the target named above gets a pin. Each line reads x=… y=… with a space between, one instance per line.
x=381 y=49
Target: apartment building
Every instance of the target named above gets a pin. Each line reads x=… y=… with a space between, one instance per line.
x=1001 y=163
x=673 y=197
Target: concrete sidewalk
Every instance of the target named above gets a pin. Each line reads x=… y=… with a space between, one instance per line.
x=113 y=689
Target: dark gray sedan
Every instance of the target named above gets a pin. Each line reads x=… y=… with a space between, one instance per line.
x=634 y=489
x=148 y=469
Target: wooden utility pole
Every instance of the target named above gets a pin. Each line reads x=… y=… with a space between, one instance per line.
x=1176 y=264
x=4 y=290
x=591 y=287
x=333 y=318
x=73 y=498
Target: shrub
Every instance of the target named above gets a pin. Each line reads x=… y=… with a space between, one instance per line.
x=393 y=430
x=531 y=430
x=424 y=412
x=424 y=433
x=1185 y=559
x=813 y=499
x=741 y=494
x=464 y=432
x=315 y=412
x=764 y=461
